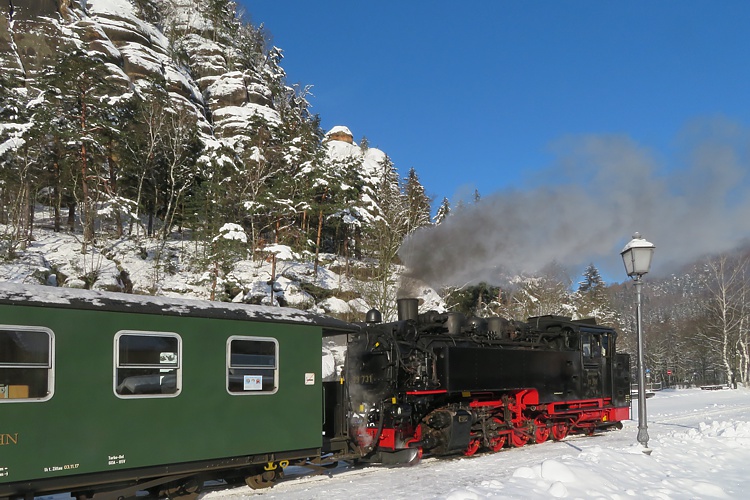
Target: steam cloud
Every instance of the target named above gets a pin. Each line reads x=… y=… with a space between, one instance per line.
x=601 y=190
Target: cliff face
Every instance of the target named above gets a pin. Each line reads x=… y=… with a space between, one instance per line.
x=28 y=34
x=133 y=118
x=178 y=46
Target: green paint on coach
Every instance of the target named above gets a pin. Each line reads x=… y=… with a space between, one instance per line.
x=85 y=427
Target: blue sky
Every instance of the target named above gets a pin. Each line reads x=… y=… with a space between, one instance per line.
x=476 y=96
x=579 y=122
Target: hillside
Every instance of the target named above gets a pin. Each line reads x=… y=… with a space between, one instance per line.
x=155 y=147
x=127 y=265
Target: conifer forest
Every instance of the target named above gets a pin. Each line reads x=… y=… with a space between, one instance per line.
x=164 y=144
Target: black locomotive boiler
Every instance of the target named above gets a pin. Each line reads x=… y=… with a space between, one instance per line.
x=440 y=383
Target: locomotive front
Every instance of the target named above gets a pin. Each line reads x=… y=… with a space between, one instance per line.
x=441 y=384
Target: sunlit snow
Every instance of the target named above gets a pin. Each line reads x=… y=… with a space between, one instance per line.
x=699 y=442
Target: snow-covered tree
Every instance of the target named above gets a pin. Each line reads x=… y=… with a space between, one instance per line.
x=19 y=169
x=89 y=115
x=592 y=299
x=592 y=281
x=417 y=203
x=546 y=292
x=384 y=238
x=443 y=212
x=333 y=192
x=728 y=313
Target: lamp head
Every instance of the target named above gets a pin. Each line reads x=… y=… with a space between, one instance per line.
x=637 y=256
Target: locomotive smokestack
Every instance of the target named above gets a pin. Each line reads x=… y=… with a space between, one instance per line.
x=408 y=309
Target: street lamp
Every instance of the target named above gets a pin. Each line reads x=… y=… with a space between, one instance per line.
x=637 y=256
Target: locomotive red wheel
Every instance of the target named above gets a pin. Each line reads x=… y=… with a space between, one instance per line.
x=559 y=431
x=519 y=437
x=472 y=448
x=497 y=443
x=541 y=430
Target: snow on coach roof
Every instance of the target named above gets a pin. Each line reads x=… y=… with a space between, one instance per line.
x=73 y=298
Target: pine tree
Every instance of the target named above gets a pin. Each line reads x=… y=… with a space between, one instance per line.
x=334 y=188
x=250 y=47
x=86 y=112
x=592 y=282
x=162 y=165
x=592 y=298
x=416 y=202
x=443 y=212
x=21 y=168
x=546 y=292
x=221 y=14
x=384 y=238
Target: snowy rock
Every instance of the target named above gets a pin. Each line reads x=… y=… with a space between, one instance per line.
x=74 y=283
x=553 y=470
x=340 y=133
x=333 y=305
x=558 y=490
x=358 y=305
x=207 y=58
x=227 y=90
x=182 y=51
x=329 y=364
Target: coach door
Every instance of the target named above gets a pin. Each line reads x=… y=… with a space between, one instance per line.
x=334 y=410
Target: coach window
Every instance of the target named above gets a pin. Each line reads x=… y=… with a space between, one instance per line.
x=148 y=364
x=252 y=365
x=26 y=364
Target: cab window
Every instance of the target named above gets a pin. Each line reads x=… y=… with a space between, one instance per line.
x=26 y=364
x=586 y=345
x=594 y=345
x=605 y=345
x=147 y=364
x=252 y=365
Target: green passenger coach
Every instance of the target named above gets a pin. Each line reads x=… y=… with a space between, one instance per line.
x=140 y=393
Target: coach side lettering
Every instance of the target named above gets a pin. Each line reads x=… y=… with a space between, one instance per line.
x=6 y=439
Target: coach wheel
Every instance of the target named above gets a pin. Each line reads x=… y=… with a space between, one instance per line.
x=265 y=479
x=519 y=437
x=541 y=430
x=188 y=490
x=472 y=448
x=559 y=431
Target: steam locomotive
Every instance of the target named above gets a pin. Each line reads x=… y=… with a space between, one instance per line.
x=444 y=384
x=115 y=396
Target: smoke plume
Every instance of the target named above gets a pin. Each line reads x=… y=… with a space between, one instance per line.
x=599 y=192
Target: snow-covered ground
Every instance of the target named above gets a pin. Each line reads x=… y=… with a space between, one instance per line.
x=184 y=270
x=700 y=442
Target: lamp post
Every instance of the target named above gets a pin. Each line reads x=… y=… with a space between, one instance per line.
x=637 y=256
